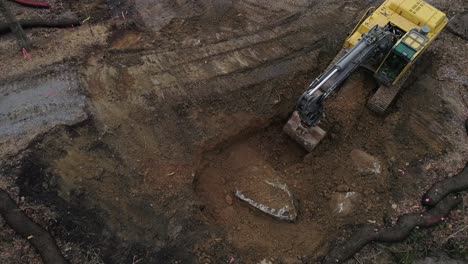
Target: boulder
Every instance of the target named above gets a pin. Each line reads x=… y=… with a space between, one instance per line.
x=458 y=25
x=343 y=203
x=364 y=163
x=259 y=185
x=271 y=197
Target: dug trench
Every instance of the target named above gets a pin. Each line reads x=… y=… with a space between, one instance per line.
x=320 y=181
x=220 y=225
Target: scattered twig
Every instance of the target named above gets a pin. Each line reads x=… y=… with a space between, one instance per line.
x=85 y=20
x=454 y=234
x=357 y=260
x=136 y=260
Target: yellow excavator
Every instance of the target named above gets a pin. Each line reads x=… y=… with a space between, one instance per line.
x=388 y=41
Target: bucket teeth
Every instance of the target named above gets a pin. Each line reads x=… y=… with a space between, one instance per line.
x=308 y=138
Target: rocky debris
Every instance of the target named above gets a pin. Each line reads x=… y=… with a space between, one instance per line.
x=228 y=200
x=365 y=163
x=343 y=203
x=458 y=25
x=271 y=197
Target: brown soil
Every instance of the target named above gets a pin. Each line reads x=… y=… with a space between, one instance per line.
x=180 y=107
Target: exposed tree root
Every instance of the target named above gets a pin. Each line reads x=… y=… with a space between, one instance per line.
x=36 y=235
x=466 y=126
x=403 y=227
x=441 y=189
x=39 y=22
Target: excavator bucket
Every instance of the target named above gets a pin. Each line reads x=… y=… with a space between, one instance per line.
x=307 y=137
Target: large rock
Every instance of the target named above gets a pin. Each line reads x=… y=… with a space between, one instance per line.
x=364 y=163
x=458 y=25
x=343 y=203
x=271 y=197
x=259 y=185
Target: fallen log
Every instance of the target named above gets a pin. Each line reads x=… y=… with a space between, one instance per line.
x=39 y=238
x=403 y=227
x=39 y=22
x=14 y=26
x=450 y=185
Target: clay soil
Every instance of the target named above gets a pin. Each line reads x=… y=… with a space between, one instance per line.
x=183 y=98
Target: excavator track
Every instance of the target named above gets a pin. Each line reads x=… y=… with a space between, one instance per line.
x=383 y=98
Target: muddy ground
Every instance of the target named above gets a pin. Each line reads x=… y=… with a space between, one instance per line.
x=124 y=137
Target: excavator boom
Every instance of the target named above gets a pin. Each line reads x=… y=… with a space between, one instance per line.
x=310 y=104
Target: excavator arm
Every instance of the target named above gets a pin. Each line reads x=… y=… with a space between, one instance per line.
x=310 y=106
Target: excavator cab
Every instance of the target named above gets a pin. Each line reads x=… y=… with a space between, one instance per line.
x=401 y=56
x=392 y=68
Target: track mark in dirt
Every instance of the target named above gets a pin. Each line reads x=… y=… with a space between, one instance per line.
x=36 y=104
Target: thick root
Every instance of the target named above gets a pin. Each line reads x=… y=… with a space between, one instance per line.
x=403 y=227
x=36 y=235
x=450 y=185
